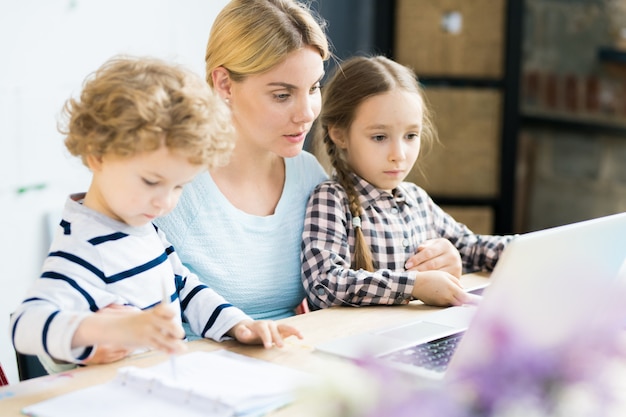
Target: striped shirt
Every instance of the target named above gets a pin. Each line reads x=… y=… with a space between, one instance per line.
x=394 y=225
x=95 y=261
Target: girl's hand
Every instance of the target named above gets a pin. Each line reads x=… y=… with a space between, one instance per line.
x=267 y=332
x=439 y=288
x=436 y=255
x=131 y=329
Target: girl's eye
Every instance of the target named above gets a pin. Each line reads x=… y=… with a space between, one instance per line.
x=316 y=88
x=149 y=183
x=378 y=138
x=413 y=136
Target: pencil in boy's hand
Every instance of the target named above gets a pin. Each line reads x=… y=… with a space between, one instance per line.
x=166 y=300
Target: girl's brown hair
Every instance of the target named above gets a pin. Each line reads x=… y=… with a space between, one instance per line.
x=353 y=82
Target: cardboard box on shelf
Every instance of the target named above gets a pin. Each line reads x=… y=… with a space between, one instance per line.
x=466 y=161
x=479 y=219
x=451 y=38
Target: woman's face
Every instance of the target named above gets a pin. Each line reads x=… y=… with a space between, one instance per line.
x=274 y=111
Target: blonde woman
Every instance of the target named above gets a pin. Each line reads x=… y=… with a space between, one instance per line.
x=239 y=226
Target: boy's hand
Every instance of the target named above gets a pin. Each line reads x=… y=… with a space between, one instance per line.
x=267 y=332
x=106 y=352
x=154 y=328
x=439 y=288
x=436 y=255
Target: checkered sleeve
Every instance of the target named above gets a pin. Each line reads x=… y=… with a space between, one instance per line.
x=326 y=258
x=478 y=252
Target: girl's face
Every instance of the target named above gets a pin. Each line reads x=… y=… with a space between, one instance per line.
x=137 y=189
x=383 y=142
x=274 y=111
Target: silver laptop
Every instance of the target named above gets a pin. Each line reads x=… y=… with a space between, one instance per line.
x=540 y=285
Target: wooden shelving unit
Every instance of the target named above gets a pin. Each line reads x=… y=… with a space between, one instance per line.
x=375 y=20
x=503 y=204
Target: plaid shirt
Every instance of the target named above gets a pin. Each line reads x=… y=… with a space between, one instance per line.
x=394 y=225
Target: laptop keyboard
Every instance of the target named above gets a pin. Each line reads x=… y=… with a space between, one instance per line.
x=433 y=355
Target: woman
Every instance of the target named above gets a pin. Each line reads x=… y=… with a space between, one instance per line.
x=239 y=226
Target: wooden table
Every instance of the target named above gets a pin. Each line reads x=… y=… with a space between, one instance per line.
x=318 y=326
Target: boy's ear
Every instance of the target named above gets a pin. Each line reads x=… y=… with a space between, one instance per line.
x=94 y=162
x=338 y=136
x=221 y=82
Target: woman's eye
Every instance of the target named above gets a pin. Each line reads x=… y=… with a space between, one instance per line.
x=413 y=136
x=316 y=88
x=148 y=182
x=378 y=138
x=282 y=97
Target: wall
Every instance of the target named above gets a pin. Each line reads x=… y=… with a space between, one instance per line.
x=48 y=47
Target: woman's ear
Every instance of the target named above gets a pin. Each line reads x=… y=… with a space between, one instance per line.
x=221 y=82
x=338 y=136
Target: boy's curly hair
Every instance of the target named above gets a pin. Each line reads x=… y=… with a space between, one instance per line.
x=136 y=104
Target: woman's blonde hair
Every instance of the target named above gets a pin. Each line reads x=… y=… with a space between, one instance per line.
x=356 y=80
x=135 y=104
x=251 y=36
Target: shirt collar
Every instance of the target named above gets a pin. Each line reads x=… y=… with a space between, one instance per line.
x=370 y=195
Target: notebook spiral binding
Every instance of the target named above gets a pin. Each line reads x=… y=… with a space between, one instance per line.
x=172 y=390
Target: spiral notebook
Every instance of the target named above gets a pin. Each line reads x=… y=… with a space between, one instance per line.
x=207 y=384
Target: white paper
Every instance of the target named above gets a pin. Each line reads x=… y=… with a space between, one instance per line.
x=207 y=384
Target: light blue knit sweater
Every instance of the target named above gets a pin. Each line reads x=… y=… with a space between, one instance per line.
x=252 y=261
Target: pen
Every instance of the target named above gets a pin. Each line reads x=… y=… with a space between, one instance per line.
x=166 y=301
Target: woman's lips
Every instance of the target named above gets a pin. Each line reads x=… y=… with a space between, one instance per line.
x=296 y=138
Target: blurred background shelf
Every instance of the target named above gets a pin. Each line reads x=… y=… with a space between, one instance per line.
x=585 y=123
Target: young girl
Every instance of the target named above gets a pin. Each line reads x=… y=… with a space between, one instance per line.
x=368 y=236
x=239 y=226
x=145 y=129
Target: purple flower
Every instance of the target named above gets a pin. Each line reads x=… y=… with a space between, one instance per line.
x=427 y=402
x=514 y=374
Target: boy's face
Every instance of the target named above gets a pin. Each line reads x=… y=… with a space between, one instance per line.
x=383 y=142
x=137 y=189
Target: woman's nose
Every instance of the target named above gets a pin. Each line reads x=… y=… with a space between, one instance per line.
x=307 y=109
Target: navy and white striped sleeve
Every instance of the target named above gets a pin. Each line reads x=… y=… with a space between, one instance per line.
x=208 y=313
x=45 y=322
